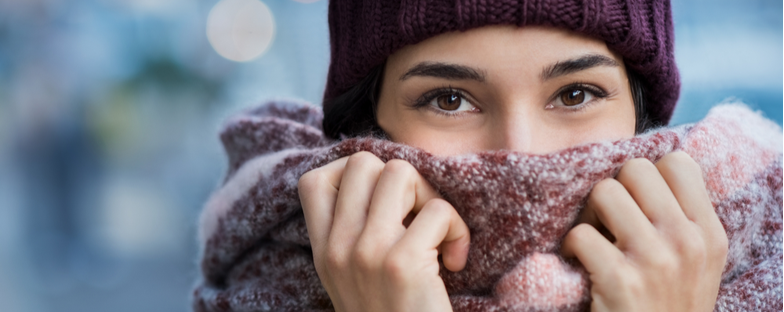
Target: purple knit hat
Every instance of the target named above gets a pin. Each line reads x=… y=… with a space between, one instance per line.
x=364 y=33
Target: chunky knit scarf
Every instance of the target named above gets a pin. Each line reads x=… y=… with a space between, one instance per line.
x=256 y=254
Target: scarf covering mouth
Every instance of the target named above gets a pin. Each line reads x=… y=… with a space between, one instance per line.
x=256 y=253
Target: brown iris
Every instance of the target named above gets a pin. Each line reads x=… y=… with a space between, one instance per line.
x=449 y=102
x=573 y=97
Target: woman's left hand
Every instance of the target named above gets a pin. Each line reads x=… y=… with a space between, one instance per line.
x=666 y=248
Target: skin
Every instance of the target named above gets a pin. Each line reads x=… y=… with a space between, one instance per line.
x=649 y=238
x=513 y=98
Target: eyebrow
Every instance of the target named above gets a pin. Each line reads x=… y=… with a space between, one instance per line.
x=444 y=70
x=562 y=68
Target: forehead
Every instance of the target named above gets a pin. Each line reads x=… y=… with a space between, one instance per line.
x=494 y=48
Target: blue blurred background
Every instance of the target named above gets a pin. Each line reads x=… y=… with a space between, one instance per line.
x=109 y=111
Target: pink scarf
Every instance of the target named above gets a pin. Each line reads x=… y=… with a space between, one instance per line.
x=256 y=254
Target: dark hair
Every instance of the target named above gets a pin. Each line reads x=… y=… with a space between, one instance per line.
x=353 y=113
x=643 y=121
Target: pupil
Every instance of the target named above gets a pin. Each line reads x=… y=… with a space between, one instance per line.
x=573 y=97
x=449 y=102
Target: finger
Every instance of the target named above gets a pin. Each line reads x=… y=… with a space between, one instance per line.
x=651 y=193
x=359 y=179
x=588 y=215
x=594 y=251
x=684 y=178
x=400 y=190
x=318 y=191
x=438 y=225
x=615 y=208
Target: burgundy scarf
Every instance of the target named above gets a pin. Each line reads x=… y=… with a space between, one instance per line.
x=256 y=254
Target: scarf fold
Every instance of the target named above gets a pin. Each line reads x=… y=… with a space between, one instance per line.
x=256 y=254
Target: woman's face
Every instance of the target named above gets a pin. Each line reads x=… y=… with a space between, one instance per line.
x=530 y=89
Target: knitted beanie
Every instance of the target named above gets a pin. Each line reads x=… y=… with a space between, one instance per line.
x=363 y=33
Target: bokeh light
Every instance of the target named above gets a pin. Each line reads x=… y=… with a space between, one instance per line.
x=240 y=30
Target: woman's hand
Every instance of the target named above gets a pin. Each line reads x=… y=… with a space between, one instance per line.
x=668 y=248
x=356 y=210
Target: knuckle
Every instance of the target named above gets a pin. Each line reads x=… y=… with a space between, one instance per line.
x=362 y=161
x=679 y=158
x=439 y=207
x=363 y=258
x=663 y=262
x=607 y=188
x=633 y=284
x=636 y=167
x=679 y=161
x=639 y=164
x=620 y=275
x=395 y=266
x=309 y=181
x=627 y=282
x=693 y=249
x=719 y=245
x=398 y=166
x=334 y=261
x=578 y=232
x=579 y=235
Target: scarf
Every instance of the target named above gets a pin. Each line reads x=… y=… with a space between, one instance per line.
x=256 y=253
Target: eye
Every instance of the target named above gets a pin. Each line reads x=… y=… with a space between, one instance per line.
x=575 y=96
x=451 y=102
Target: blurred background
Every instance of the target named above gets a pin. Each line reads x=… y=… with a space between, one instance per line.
x=109 y=111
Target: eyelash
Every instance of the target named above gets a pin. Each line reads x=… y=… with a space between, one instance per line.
x=598 y=94
x=425 y=99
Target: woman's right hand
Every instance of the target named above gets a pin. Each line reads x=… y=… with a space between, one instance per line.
x=356 y=209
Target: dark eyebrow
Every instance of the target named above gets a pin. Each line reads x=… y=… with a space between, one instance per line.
x=574 y=65
x=444 y=70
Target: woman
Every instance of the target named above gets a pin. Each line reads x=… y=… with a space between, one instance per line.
x=456 y=79
x=529 y=89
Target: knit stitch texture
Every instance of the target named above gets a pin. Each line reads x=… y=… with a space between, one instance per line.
x=256 y=254
x=363 y=33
